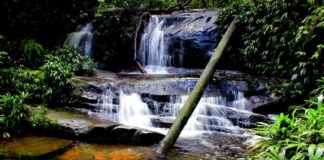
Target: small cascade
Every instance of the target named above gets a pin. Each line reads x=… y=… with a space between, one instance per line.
x=129 y=110
x=240 y=101
x=201 y=118
x=82 y=39
x=133 y=111
x=213 y=113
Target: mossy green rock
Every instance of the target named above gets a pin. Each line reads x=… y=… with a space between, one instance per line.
x=31 y=147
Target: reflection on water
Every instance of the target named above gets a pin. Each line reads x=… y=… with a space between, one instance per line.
x=84 y=151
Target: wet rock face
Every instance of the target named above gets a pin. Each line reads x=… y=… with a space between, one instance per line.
x=192 y=32
x=181 y=39
x=232 y=99
x=160 y=88
x=77 y=126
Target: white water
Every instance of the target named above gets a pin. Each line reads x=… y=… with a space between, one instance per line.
x=81 y=39
x=239 y=101
x=154 y=47
x=130 y=109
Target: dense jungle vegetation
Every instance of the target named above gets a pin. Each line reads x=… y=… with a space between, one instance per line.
x=276 y=38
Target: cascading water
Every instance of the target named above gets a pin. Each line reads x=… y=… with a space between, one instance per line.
x=213 y=113
x=130 y=109
x=167 y=40
x=153 y=46
x=82 y=39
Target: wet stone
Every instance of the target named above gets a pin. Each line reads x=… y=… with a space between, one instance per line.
x=32 y=147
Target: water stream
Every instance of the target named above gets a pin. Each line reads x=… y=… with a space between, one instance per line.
x=81 y=39
x=122 y=104
x=168 y=40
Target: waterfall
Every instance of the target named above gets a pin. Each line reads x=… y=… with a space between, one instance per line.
x=130 y=110
x=82 y=39
x=177 y=40
x=153 y=47
x=213 y=113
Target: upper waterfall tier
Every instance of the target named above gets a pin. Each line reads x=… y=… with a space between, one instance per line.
x=178 y=39
x=82 y=39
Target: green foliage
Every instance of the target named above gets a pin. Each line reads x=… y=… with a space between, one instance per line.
x=109 y=5
x=278 y=38
x=4 y=59
x=116 y=42
x=32 y=53
x=51 y=84
x=31 y=47
x=58 y=78
x=15 y=80
x=71 y=56
x=13 y=114
x=296 y=136
x=59 y=70
x=54 y=79
x=320 y=89
x=287 y=89
x=310 y=48
x=267 y=33
x=38 y=119
x=44 y=20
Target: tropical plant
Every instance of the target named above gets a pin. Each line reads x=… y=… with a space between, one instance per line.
x=72 y=56
x=15 y=80
x=296 y=136
x=13 y=114
x=38 y=119
x=278 y=38
x=320 y=87
x=4 y=59
x=310 y=47
x=31 y=47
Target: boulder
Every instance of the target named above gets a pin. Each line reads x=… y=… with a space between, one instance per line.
x=77 y=126
x=146 y=137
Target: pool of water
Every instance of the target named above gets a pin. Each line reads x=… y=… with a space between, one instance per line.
x=216 y=146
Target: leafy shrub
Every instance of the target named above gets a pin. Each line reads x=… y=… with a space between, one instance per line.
x=54 y=79
x=32 y=53
x=4 y=59
x=287 y=89
x=71 y=56
x=320 y=87
x=15 y=80
x=310 y=47
x=299 y=136
x=13 y=114
x=280 y=38
x=267 y=34
x=38 y=119
x=57 y=77
x=59 y=69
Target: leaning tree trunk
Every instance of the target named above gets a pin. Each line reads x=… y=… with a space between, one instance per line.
x=194 y=98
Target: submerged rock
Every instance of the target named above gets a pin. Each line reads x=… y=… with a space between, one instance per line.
x=32 y=147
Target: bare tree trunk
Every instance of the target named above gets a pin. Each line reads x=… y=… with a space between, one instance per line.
x=192 y=101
